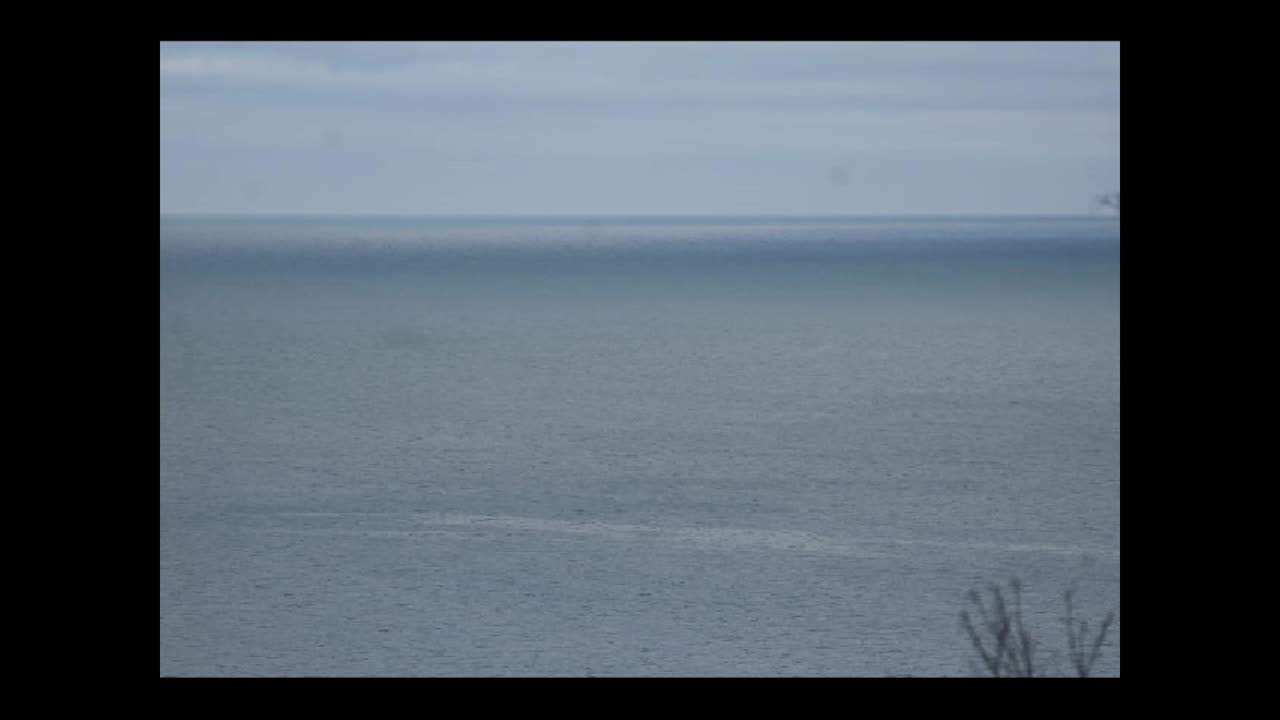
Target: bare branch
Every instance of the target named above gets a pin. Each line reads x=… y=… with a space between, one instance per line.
x=1082 y=660
x=997 y=630
x=1003 y=644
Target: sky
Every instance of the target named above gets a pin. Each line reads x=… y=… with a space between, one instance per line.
x=638 y=128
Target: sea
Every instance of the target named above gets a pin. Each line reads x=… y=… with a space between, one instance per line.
x=634 y=446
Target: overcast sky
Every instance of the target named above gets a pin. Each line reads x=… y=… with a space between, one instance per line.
x=631 y=128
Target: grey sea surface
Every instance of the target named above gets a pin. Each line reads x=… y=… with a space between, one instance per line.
x=631 y=446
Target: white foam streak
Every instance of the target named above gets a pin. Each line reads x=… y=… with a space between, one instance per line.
x=727 y=538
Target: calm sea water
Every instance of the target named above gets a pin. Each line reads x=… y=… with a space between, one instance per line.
x=637 y=447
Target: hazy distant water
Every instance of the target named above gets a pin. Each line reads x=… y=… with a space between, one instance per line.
x=629 y=446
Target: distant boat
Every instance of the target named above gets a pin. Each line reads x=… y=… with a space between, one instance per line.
x=1109 y=200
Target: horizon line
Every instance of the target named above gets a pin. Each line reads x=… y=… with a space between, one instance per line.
x=521 y=216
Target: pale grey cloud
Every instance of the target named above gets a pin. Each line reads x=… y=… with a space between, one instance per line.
x=498 y=128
